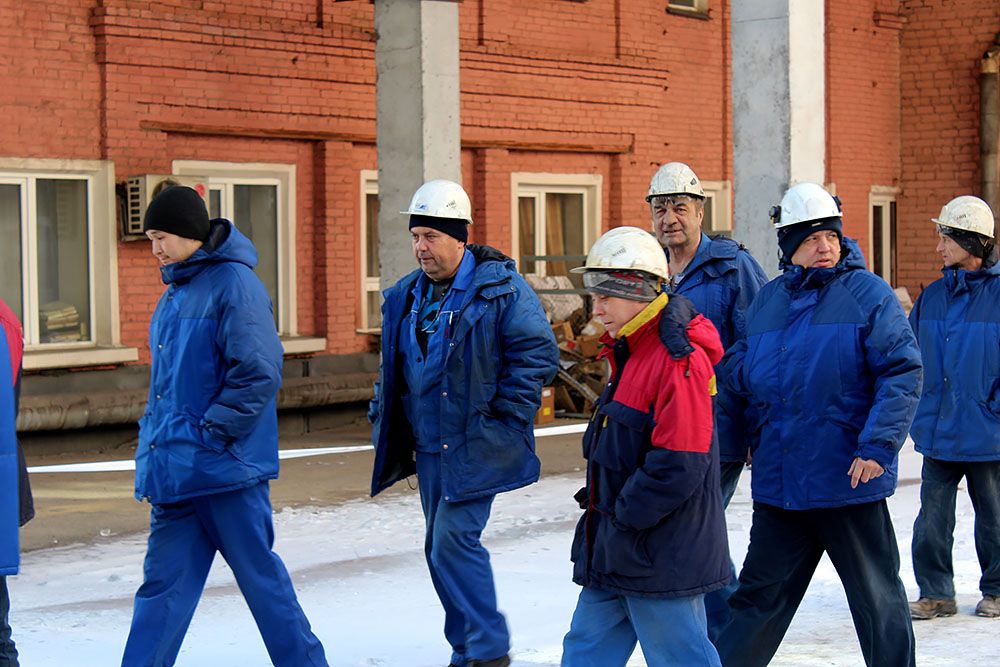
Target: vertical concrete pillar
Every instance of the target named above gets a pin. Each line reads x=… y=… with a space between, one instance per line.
x=779 y=112
x=417 y=114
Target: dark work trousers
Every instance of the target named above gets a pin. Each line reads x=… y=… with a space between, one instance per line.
x=933 y=531
x=460 y=568
x=785 y=547
x=183 y=540
x=8 y=652
x=717 y=602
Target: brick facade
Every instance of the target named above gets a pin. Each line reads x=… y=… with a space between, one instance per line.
x=942 y=44
x=862 y=107
x=604 y=87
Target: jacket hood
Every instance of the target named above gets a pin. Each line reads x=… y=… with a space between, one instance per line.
x=702 y=333
x=485 y=253
x=225 y=243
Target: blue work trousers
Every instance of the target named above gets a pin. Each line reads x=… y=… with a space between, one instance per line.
x=717 y=601
x=460 y=568
x=8 y=652
x=934 y=529
x=183 y=540
x=785 y=548
x=606 y=627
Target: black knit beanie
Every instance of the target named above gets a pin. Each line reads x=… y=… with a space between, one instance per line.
x=454 y=227
x=791 y=237
x=178 y=210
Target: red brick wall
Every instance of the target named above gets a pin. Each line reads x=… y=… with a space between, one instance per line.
x=942 y=43
x=50 y=82
x=863 y=125
x=608 y=87
x=660 y=88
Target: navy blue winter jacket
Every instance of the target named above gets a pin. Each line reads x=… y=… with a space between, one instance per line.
x=957 y=323
x=500 y=354
x=721 y=281
x=211 y=421
x=654 y=525
x=832 y=372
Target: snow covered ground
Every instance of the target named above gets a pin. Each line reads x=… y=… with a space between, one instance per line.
x=361 y=578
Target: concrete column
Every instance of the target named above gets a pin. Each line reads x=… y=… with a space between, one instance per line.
x=417 y=114
x=779 y=112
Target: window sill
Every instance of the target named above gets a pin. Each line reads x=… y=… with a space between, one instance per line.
x=370 y=331
x=302 y=344
x=40 y=359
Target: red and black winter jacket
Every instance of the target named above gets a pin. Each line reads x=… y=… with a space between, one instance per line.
x=11 y=328
x=654 y=523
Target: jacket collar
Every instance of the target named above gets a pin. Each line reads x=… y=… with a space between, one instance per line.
x=959 y=280
x=225 y=243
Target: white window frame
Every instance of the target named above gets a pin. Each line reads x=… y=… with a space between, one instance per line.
x=537 y=185
x=720 y=192
x=369 y=186
x=228 y=174
x=884 y=196
x=104 y=346
x=691 y=7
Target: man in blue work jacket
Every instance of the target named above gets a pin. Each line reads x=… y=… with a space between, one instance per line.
x=721 y=278
x=466 y=349
x=208 y=443
x=832 y=372
x=957 y=426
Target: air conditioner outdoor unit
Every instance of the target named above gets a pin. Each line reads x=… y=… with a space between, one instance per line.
x=142 y=189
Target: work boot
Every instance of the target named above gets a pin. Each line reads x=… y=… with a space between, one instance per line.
x=925 y=609
x=989 y=607
x=502 y=661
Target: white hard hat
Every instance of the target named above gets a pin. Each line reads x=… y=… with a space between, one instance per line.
x=627 y=249
x=675 y=178
x=441 y=199
x=968 y=213
x=804 y=202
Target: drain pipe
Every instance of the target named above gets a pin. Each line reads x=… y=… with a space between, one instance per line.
x=989 y=124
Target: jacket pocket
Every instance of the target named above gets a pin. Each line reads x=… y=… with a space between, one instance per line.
x=189 y=429
x=491 y=439
x=620 y=551
x=622 y=441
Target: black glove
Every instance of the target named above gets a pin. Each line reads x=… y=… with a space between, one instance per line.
x=582 y=497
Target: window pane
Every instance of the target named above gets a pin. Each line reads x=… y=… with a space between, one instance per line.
x=256 y=214
x=892 y=244
x=706 y=222
x=215 y=203
x=564 y=233
x=374 y=310
x=10 y=248
x=371 y=234
x=878 y=260
x=526 y=233
x=63 y=262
